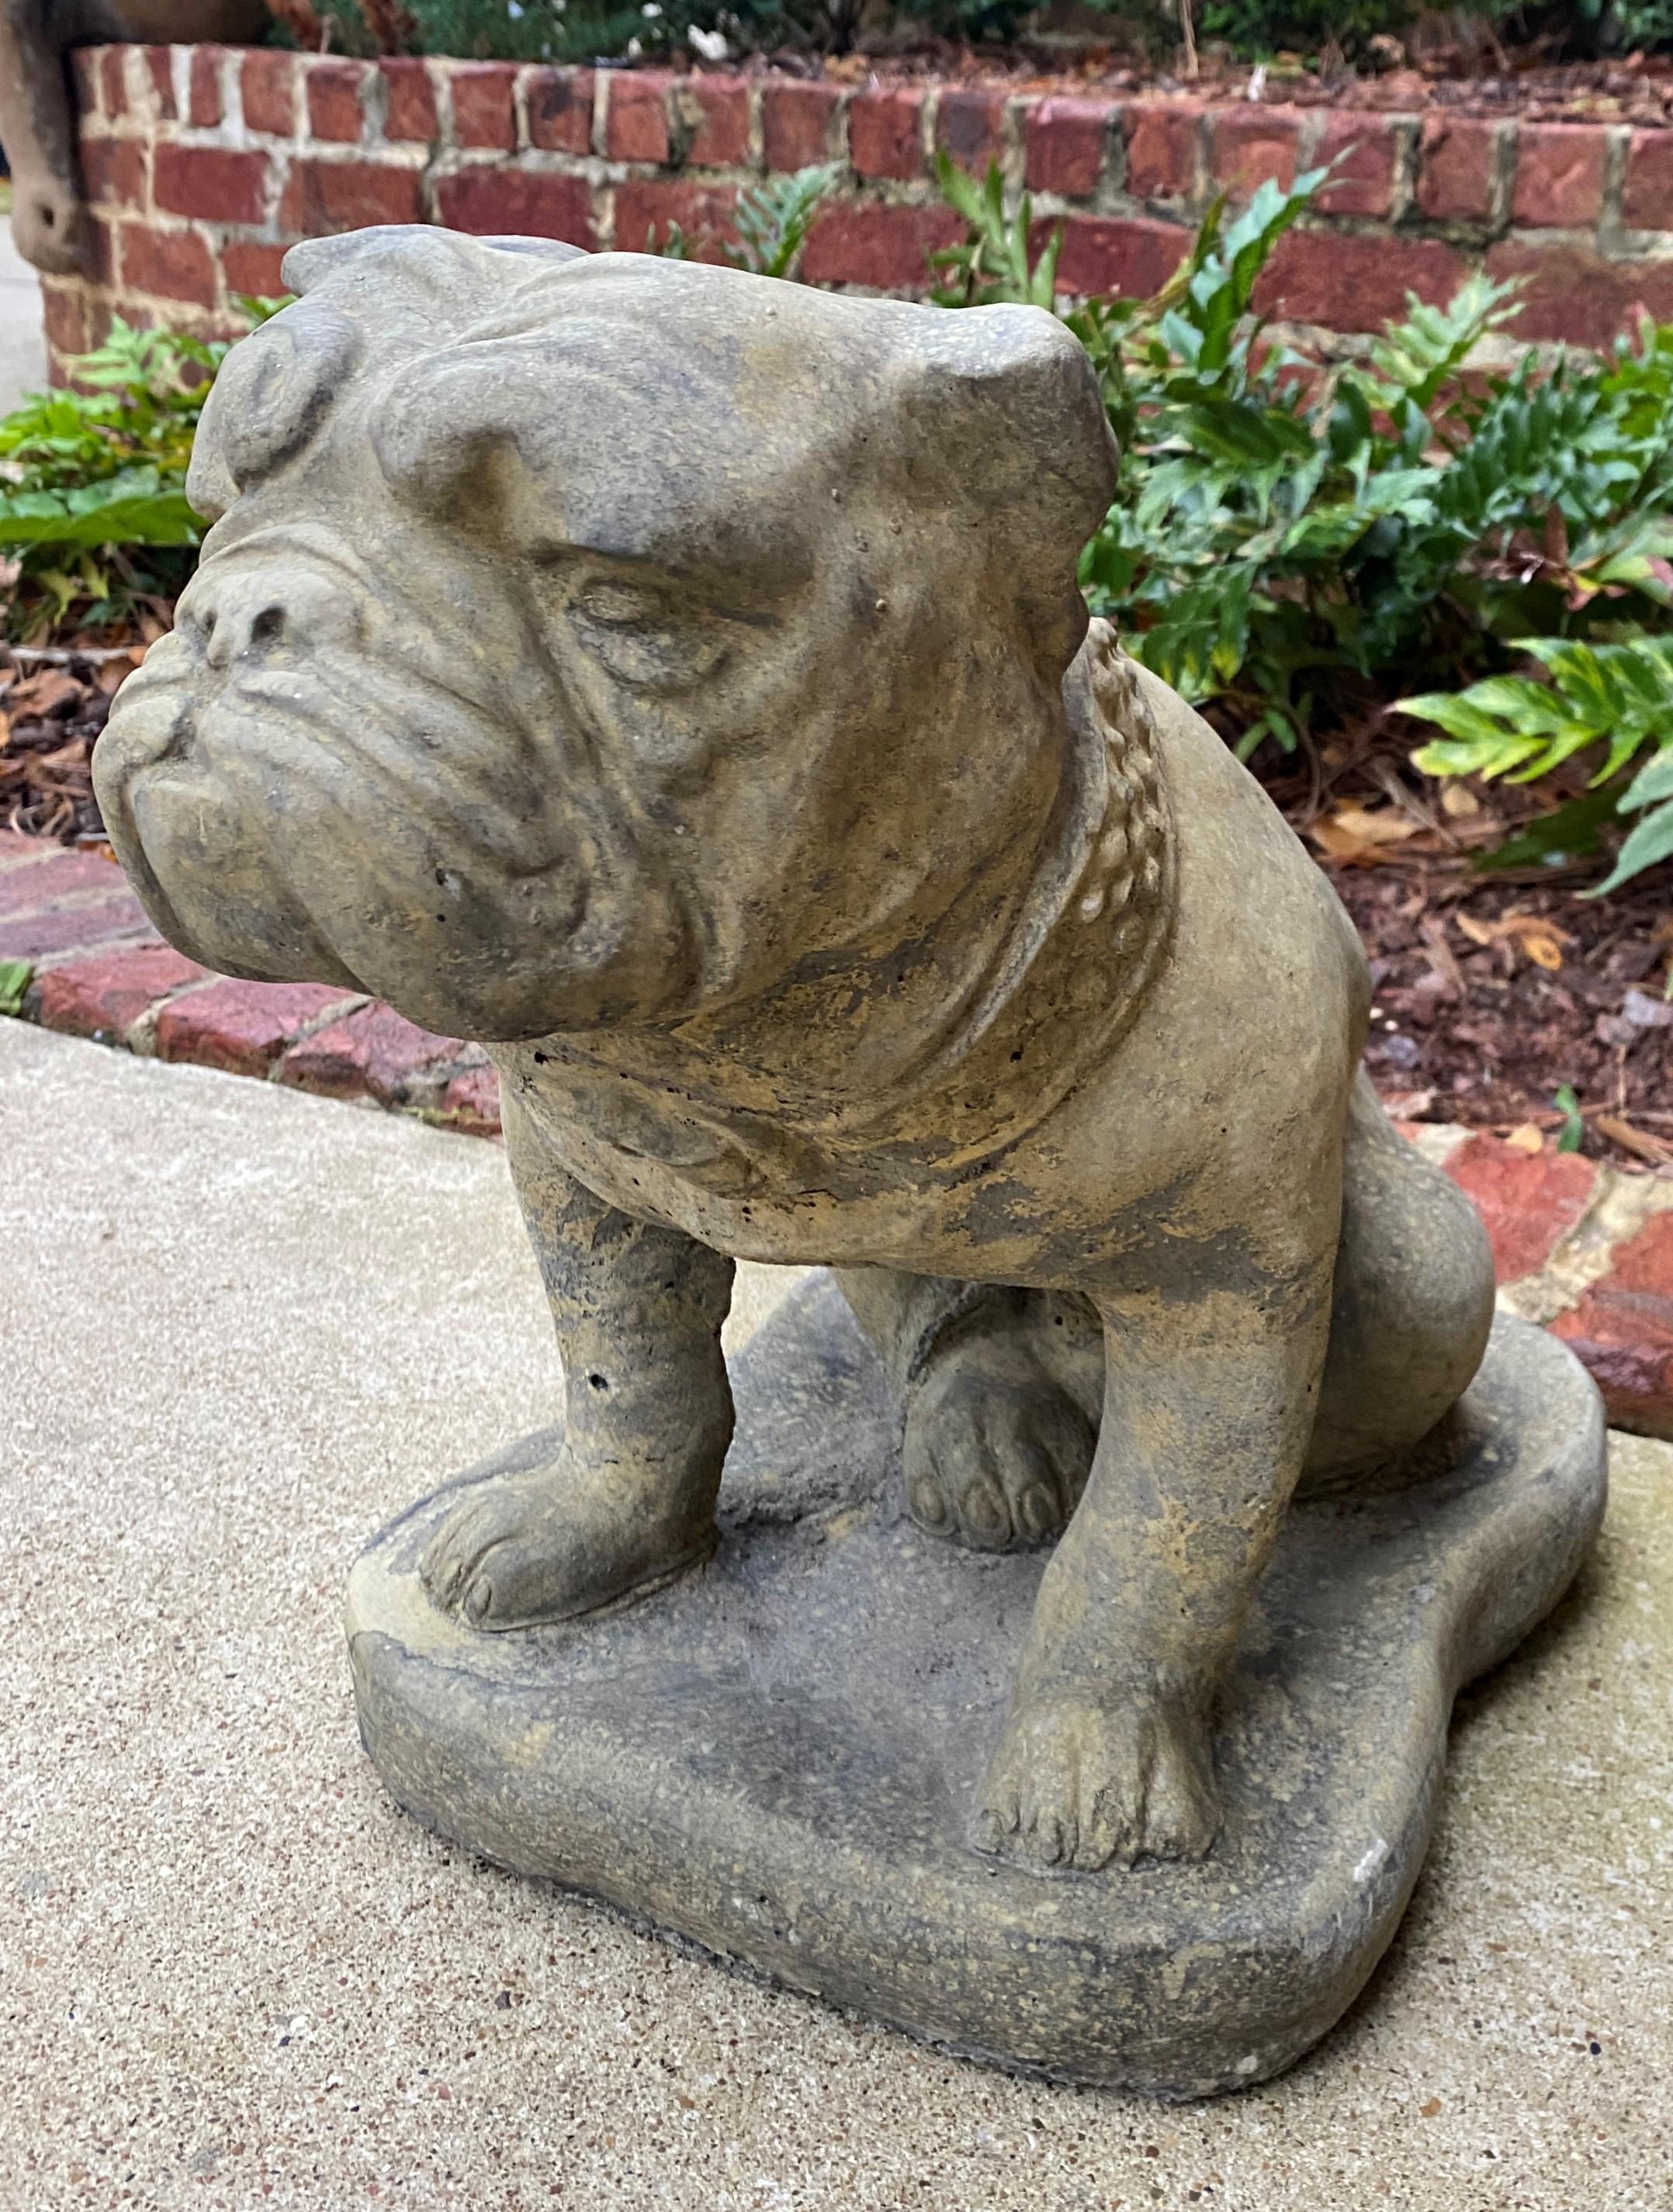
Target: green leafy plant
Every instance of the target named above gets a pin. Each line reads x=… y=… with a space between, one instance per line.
x=1618 y=698
x=1293 y=542
x=14 y=979
x=1572 y=1135
x=93 y=505
x=772 y=220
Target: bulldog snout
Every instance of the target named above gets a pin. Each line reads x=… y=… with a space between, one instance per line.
x=233 y=619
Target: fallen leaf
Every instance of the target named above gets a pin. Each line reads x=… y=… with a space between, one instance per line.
x=1457 y=799
x=1539 y=939
x=1639 y=1142
x=1525 y=1138
x=1430 y=2110
x=1356 y=837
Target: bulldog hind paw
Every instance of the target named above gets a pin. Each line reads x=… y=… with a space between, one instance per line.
x=1076 y=1783
x=995 y=1454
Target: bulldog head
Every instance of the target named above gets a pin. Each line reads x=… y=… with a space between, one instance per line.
x=588 y=640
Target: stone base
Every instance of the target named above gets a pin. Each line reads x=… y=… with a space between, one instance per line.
x=776 y=1757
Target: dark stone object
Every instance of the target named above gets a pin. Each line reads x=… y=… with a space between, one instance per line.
x=776 y=1755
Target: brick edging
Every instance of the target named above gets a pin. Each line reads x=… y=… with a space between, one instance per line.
x=202 y=163
x=1578 y=1246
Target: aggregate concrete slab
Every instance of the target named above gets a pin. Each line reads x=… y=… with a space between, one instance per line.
x=22 y=343
x=244 y=1327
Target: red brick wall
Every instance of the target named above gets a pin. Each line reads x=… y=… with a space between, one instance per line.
x=203 y=163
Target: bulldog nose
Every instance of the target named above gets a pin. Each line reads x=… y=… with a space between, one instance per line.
x=238 y=616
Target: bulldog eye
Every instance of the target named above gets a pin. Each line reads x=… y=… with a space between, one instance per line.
x=642 y=639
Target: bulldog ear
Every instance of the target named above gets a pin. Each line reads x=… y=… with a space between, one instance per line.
x=271 y=394
x=1007 y=401
x=398 y=272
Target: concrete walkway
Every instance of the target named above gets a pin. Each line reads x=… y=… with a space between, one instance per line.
x=23 y=347
x=243 y=1326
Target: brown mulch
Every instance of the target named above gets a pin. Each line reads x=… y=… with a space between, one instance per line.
x=54 y=702
x=1476 y=80
x=1489 y=995
x=1491 y=991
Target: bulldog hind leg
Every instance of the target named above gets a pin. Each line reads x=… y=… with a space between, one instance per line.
x=629 y=1502
x=995 y=1449
x=1411 y=1306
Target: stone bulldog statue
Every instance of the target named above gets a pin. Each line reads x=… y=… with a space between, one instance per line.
x=677 y=681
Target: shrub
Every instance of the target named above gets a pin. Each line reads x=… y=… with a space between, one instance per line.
x=1292 y=544
x=93 y=506
x=1617 y=698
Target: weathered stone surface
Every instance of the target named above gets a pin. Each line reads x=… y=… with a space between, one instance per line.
x=707 y=738
x=776 y=1758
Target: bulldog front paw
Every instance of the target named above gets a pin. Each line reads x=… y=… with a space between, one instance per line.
x=531 y=1548
x=1077 y=1783
x=995 y=1454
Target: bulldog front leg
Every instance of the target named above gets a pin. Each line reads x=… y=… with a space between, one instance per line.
x=629 y=1502
x=1105 y=1750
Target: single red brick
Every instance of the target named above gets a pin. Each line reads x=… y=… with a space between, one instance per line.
x=969 y=126
x=173 y=264
x=1573 y=296
x=646 y=209
x=214 y=183
x=104 y=995
x=240 y=1027
x=1162 y=150
x=1252 y=144
x=204 y=107
x=84 y=79
x=60 y=875
x=636 y=123
x=113 y=172
x=886 y=248
x=253 y=269
x=410 y=110
x=1622 y=1328
x=1364 y=150
x=101 y=265
x=1558 y=175
x=334 y=109
x=63 y=928
x=160 y=68
x=1131 y=256
x=113 y=80
x=494 y=202
x=716 y=113
x=64 y=314
x=1528 y=1201
x=885 y=132
x=321 y=196
x=373 y=1054
x=484 y=113
x=560 y=110
x=1646 y=197
x=798 y=123
x=1349 y=283
x=470 y=1103
x=1066 y=141
x=267 y=81
x=1455 y=170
